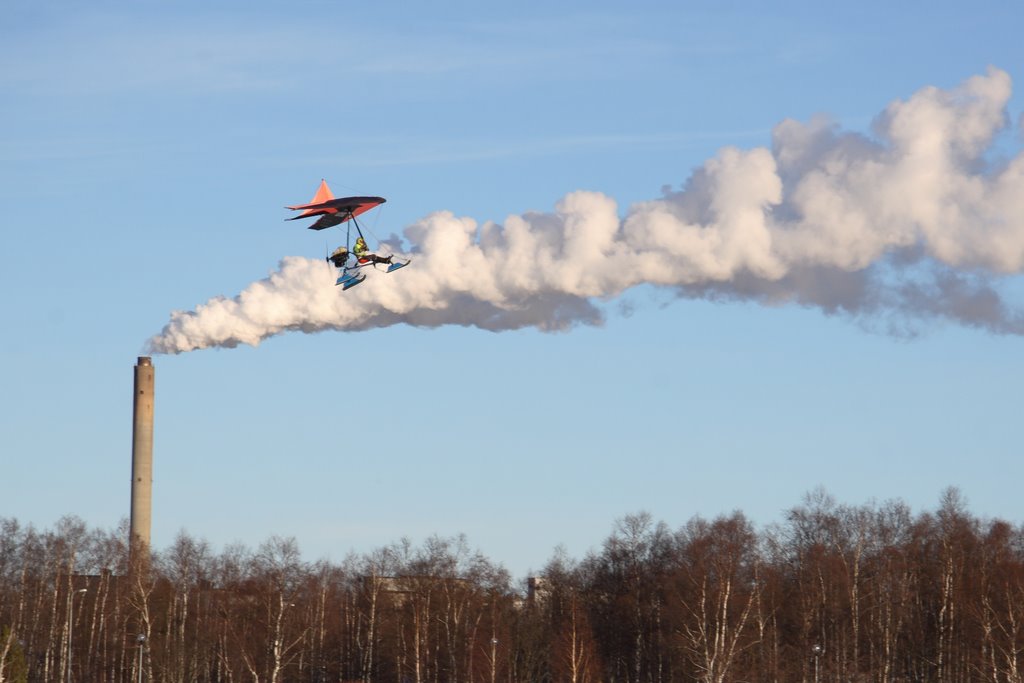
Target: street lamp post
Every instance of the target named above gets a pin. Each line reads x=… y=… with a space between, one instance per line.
x=71 y=624
x=494 y=658
x=817 y=650
x=141 y=640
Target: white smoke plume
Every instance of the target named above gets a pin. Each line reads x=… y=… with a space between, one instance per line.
x=917 y=222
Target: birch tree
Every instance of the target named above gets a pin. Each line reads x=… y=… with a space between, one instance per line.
x=717 y=589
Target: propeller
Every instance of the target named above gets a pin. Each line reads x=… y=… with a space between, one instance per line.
x=327 y=258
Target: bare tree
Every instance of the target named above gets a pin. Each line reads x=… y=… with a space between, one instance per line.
x=574 y=655
x=626 y=580
x=279 y=570
x=717 y=588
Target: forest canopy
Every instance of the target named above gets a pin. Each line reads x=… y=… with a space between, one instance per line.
x=833 y=592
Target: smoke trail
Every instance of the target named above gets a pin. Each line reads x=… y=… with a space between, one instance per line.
x=914 y=223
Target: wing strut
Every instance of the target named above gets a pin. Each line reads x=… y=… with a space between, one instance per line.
x=348 y=231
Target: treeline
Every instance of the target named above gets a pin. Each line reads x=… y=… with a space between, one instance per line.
x=832 y=593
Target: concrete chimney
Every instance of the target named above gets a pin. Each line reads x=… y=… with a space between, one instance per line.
x=142 y=457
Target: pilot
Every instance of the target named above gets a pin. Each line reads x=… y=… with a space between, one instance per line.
x=362 y=253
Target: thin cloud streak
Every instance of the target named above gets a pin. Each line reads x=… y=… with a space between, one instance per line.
x=455 y=151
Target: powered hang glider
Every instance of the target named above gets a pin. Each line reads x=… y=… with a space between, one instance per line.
x=349 y=259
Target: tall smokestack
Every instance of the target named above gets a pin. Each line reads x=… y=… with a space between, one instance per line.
x=142 y=458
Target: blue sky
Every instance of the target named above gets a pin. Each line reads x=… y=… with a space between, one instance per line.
x=147 y=150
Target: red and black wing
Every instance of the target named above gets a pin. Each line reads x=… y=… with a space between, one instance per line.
x=333 y=211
